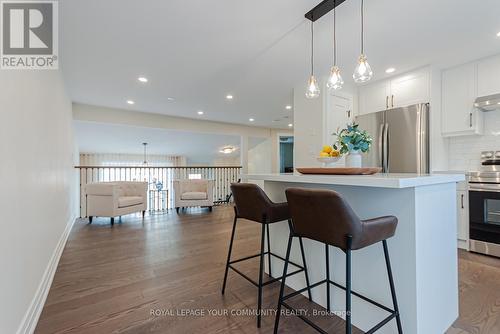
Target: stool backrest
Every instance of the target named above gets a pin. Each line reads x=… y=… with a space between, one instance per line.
x=250 y=200
x=323 y=215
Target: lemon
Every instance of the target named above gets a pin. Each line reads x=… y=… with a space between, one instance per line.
x=334 y=153
x=324 y=155
x=327 y=149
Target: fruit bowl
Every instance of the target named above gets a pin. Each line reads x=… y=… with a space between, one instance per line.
x=328 y=161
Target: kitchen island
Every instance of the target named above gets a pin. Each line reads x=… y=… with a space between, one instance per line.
x=423 y=252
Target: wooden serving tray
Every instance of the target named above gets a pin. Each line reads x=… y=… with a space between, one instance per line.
x=340 y=170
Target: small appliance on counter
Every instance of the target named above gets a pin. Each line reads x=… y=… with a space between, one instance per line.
x=484 y=205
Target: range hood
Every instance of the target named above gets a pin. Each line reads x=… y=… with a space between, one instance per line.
x=488 y=103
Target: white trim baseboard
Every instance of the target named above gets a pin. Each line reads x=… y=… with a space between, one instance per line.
x=31 y=317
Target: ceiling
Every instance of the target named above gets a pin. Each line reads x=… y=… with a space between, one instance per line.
x=199 y=51
x=122 y=139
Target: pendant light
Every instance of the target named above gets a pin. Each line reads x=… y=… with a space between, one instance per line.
x=145 y=162
x=363 y=71
x=335 y=80
x=312 y=91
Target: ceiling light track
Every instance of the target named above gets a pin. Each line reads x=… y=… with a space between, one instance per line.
x=323 y=8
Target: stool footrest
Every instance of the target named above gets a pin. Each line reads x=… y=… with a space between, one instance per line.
x=265 y=253
x=354 y=293
x=298 y=292
x=392 y=315
x=301 y=268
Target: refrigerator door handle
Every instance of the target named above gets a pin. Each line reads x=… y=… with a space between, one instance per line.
x=386 y=148
x=423 y=148
x=381 y=144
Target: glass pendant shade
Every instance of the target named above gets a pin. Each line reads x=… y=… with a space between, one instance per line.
x=312 y=91
x=335 y=80
x=363 y=71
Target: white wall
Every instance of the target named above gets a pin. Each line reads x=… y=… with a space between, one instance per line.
x=465 y=150
x=307 y=127
x=260 y=158
x=309 y=123
x=225 y=161
x=37 y=178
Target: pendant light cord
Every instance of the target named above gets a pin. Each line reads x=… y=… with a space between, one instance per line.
x=312 y=48
x=362 y=27
x=334 y=34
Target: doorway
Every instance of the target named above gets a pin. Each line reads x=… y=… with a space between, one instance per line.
x=286 y=154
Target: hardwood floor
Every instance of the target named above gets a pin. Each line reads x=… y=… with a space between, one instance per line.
x=139 y=276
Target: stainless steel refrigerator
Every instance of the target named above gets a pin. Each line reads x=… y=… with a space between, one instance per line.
x=400 y=139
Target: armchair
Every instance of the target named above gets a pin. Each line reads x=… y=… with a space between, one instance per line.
x=111 y=199
x=190 y=193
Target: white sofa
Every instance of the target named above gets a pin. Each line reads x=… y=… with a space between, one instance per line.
x=112 y=199
x=190 y=193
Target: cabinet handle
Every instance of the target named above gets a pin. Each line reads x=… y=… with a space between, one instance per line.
x=387 y=102
x=462 y=200
x=470 y=119
x=348 y=114
x=392 y=101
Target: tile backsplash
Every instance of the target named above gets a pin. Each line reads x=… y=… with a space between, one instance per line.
x=465 y=151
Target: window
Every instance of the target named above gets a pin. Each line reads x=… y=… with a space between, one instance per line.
x=194 y=176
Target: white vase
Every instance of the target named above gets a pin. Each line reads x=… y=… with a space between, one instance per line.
x=353 y=159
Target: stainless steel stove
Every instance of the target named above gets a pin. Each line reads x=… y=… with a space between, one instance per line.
x=484 y=205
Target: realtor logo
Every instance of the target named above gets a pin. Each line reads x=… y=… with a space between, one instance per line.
x=29 y=35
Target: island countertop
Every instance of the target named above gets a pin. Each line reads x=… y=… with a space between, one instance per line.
x=380 y=180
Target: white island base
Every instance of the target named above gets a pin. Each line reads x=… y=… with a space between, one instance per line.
x=423 y=252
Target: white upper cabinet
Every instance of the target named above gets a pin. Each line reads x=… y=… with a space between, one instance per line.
x=409 y=89
x=459 y=117
x=488 y=76
x=374 y=97
x=401 y=91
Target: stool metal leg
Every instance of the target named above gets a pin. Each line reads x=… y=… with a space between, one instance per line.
x=327 y=255
x=348 y=328
x=391 y=283
x=282 y=288
x=261 y=270
x=305 y=268
x=229 y=254
x=269 y=251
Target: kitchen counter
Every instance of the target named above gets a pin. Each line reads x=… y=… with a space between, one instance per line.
x=423 y=251
x=382 y=180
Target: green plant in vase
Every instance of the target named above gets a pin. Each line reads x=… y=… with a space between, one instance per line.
x=353 y=141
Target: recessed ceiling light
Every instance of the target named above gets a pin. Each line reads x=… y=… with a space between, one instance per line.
x=200 y=112
x=170 y=98
x=130 y=102
x=288 y=107
x=251 y=119
x=390 y=70
x=229 y=97
x=142 y=79
x=290 y=125
x=498 y=34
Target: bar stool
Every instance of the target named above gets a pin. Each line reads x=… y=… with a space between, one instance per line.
x=344 y=230
x=252 y=203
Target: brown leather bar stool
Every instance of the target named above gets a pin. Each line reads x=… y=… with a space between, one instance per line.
x=252 y=203
x=343 y=230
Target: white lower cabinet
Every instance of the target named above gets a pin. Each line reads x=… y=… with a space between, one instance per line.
x=463 y=219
